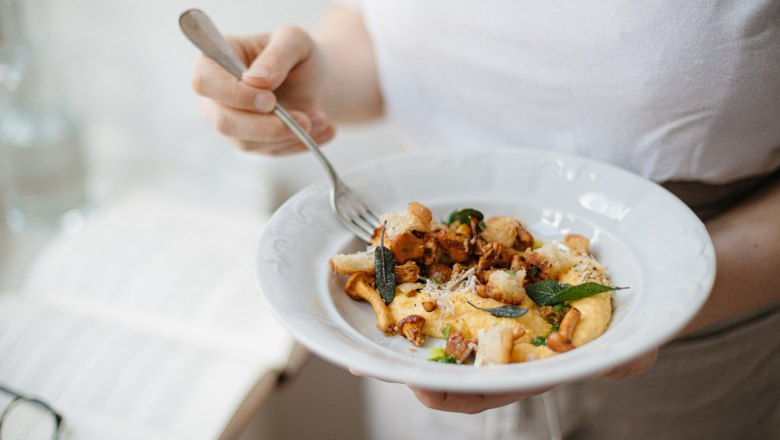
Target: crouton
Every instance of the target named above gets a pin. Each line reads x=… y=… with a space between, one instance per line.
x=348 y=264
x=363 y=262
x=501 y=230
x=494 y=346
x=416 y=218
x=506 y=286
x=550 y=261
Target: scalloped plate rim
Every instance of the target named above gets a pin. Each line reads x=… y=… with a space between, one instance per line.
x=585 y=361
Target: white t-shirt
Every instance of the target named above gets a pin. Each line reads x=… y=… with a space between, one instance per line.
x=672 y=90
x=669 y=89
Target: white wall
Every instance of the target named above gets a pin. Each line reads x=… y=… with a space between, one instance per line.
x=125 y=71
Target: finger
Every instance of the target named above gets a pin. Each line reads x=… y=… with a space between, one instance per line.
x=298 y=147
x=252 y=127
x=282 y=148
x=469 y=403
x=287 y=47
x=637 y=366
x=287 y=147
x=261 y=147
x=361 y=374
x=210 y=80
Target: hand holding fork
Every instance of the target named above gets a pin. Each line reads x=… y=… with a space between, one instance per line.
x=349 y=208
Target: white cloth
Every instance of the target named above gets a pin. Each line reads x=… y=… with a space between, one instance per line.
x=721 y=386
x=670 y=90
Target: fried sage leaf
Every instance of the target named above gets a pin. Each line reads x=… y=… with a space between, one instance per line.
x=550 y=292
x=384 y=266
x=464 y=215
x=509 y=311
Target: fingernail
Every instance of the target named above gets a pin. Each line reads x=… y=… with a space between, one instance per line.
x=258 y=72
x=262 y=102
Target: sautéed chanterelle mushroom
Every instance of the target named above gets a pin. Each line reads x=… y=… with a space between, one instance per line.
x=487 y=286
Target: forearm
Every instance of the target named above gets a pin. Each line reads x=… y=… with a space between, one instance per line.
x=747 y=246
x=351 y=93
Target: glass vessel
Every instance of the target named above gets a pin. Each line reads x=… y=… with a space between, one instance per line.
x=41 y=145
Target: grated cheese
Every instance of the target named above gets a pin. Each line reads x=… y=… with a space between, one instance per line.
x=466 y=281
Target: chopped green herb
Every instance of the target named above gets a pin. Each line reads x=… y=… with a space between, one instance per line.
x=512 y=272
x=509 y=311
x=558 y=307
x=446 y=331
x=440 y=355
x=533 y=271
x=384 y=266
x=542 y=340
x=539 y=340
x=549 y=292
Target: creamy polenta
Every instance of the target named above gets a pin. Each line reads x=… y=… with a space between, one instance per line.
x=487 y=286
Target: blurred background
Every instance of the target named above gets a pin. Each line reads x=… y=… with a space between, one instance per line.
x=112 y=81
x=123 y=70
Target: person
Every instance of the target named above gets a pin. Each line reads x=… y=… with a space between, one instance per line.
x=685 y=94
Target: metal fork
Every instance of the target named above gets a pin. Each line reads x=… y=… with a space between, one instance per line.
x=353 y=212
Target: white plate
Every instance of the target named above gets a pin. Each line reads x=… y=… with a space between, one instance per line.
x=648 y=239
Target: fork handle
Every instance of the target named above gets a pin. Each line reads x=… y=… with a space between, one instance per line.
x=202 y=32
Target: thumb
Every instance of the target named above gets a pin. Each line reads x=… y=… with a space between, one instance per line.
x=287 y=47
